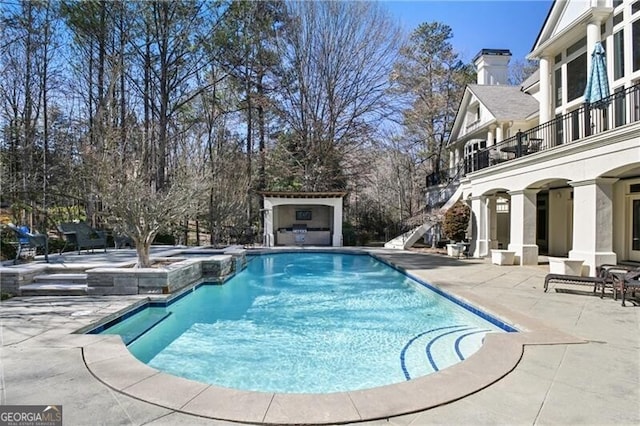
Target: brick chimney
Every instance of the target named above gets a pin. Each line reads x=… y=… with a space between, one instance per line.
x=492 y=66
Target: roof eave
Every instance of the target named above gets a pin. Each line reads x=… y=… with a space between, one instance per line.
x=303 y=194
x=575 y=27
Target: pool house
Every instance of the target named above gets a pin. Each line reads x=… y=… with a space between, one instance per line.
x=302 y=218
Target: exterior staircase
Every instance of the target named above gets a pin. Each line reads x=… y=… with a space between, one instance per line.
x=409 y=238
x=67 y=284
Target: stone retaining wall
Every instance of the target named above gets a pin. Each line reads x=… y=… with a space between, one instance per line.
x=186 y=267
x=164 y=280
x=11 y=279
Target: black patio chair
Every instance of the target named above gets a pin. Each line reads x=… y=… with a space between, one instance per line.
x=626 y=283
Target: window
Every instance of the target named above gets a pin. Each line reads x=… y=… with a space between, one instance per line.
x=618 y=55
x=574 y=48
x=577 y=77
x=617 y=3
x=635 y=225
x=619 y=107
x=559 y=130
x=635 y=7
x=575 y=125
x=635 y=42
x=558 y=85
x=617 y=19
x=558 y=58
x=502 y=206
x=634 y=98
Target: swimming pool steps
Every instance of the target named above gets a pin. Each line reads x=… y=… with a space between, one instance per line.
x=419 y=356
x=67 y=284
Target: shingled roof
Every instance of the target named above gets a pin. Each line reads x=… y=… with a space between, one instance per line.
x=531 y=80
x=505 y=102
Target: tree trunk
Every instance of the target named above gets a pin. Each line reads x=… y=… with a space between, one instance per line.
x=249 y=140
x=186 y=232
x=143 y=250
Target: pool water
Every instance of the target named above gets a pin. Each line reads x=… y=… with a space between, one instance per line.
x=306 y=323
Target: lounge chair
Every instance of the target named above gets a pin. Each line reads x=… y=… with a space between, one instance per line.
x=594 y=282
x=29 y=241
x=605 y=278
x=82 y=236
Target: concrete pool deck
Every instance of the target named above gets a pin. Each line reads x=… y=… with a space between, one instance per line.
x=578 y=363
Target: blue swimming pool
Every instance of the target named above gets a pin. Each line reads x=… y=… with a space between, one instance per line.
x=307 y=323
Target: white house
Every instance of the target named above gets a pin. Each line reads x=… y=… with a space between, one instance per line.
x=544 y=172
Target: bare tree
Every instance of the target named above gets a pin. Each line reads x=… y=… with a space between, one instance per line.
x=247 y=53
x=132 y=204
x=520 y=70
x=223 y=159
x=336 y=59
x=27 y=70
x=431 y=78
x=171 y=59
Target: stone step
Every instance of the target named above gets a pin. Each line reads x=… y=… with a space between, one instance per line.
x=54 y=289
x=67 y=278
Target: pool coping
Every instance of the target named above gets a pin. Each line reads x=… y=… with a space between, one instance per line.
x=110 y=362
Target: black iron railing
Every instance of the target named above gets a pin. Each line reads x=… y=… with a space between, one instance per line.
x=617 y=110
x=445 y=176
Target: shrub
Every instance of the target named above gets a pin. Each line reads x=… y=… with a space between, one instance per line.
x=456 y=221
x=348 y=234
x=7 y=250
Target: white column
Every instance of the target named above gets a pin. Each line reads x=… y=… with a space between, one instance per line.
x=593 y=36
x=546 y=89
x=499 y=133
x=523 y=226
x=490 y=136
x=337 y=223
x=452 y=159
x=269 y=240
x=480 y=224
x=593 y=222
x=459 y=156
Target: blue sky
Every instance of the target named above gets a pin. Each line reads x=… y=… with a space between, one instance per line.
x=478 y=24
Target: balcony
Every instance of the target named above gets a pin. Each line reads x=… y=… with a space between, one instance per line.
x=619 y=109
x=473 y=126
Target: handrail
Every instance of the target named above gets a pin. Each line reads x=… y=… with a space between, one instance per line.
x=445 y=176
x=619 y=109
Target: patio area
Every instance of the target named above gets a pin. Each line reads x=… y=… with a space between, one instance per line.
x=595 y=382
